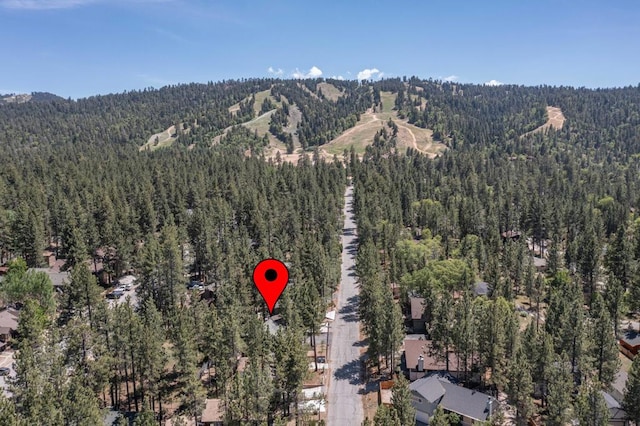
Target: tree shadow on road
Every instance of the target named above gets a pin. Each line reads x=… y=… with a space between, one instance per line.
x=351 y=371
x=349 y=312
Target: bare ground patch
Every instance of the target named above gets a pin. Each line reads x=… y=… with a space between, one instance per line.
x=555 y=120
x=160 y=140
x=361 y=135
x=330 y=91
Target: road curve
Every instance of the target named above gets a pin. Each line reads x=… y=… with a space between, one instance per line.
x=346 y=384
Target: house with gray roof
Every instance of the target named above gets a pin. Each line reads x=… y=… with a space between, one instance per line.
x=481 y=288
x=441 y=390
x=617 y=416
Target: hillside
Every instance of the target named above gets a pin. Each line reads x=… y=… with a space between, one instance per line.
x=294 y=116
x=32 y=97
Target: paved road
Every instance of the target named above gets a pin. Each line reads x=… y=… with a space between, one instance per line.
x=346 y=384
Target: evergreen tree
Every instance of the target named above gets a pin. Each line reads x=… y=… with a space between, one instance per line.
x=632 y=392
x=440 y=418
x=401 y=400
x=591 y=408
x=386 y=416
x=559 y=392
x=520 y=386
x=604 y=344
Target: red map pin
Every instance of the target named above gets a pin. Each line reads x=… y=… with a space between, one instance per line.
x=270 y=277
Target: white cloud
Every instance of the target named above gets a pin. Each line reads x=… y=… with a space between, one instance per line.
x=277 y=72
x=368 y=74
x=337 y=77
x=314 y=72
x=451 y=78
x=493 y=83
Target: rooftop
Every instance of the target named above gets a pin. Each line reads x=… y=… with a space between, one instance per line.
x=8 y=320
x=213 y=411
x=481 y=288
x=414 y=348
x=58 y=278
x=631 y=337
x=417 y=307
x=467 y=402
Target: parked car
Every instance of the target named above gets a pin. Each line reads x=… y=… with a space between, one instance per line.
x=195 y=285
x=115 y=294
x=4 y=371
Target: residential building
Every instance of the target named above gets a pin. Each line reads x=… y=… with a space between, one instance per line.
x=420 y=361
x=440 y=389
x=617 y=416
x=213 y=414
x=481 y=288
x=630 y=343
x=8 y=326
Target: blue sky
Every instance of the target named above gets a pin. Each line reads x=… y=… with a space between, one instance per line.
x=78 y=48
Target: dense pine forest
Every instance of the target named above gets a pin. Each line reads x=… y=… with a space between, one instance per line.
x=504 y=198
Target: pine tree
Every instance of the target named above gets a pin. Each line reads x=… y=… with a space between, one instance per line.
x=559 y=392
x=401 y=400
x=82 y=294
x=386 y=416
x=632 y=392
x=441 y=329
x=520 y=386
x=440 y=418
x=591 y=408
x=604 y=345
x=8 y=412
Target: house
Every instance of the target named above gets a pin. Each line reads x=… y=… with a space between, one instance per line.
x=213 y=413
x=511 y=235
x=540 y=263
x=617 y=416
x=630 y=343
x=618 y=385
x=418 y=320
x=58 y=278
x=8 y=326
x=481 y=289
x=439 y=389
x=274 y=323
x=419 y=361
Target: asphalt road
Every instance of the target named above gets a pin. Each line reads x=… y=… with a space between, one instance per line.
x=346 y=384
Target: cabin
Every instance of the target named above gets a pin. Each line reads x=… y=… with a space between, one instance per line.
x=418 y=360
x=213 y=413
x=512 y=235
x=8 y=326
x=481 y=288
x=439 y=389
x=617 y=416
x=630 y=343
